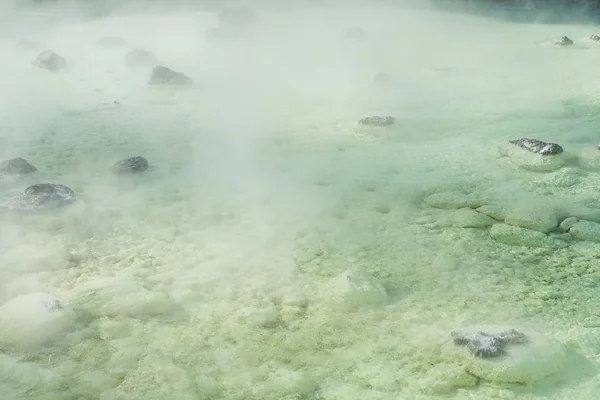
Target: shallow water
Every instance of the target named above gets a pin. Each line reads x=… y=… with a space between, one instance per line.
x=213 y=274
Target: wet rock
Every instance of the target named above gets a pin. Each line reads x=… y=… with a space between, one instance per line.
x=469 y=218
x=595 y=38
x=493 y=211
x=517 y=236
x=111 y=41
x=17 y=166
x=585 y=230
x=382 y=79
x=42 y=196
x=49 y=60
x=563 y=41
x=140 y=57
x=506 y=355
x=485 y=345
x=355 y=33
x=34 y=319
x=538 y=219
x=130 y=165
x=377 y=120
x=567 y=224
x=165 y=76
x=453 y=200
x=537 y=146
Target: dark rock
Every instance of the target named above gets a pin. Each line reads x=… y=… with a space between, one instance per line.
x=111 y=41
x=595 y=38
x=165 y=76
x=42 y=196
x=355 y=33
x=377 y=120
x=140 y=57
x=129 y=165
x=484 y=345
x=563 y=41
x=49 y=60
x=538 y=147
x=16 y=166
x=382 y=79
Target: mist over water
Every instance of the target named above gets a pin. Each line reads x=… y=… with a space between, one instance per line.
x=277 y=249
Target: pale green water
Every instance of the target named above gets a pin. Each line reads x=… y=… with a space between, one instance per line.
x=214 y=274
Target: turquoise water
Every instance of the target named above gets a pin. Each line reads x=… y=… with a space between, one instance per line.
x=276 y=250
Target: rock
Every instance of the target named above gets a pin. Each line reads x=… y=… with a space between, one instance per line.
x=595 y=38
x=140 y=57
x=17 y=166
x=382 y=79
x=567 y=224
x=534 y=155
x=355 y=33
x=468 y=218
x=42 y=196
x=517 y=236
x=586 y=230
x=506 y=355
x=34 y=319
x=377 y=121
x=485 y=345
x=354 y=289
x=165 y=76
x=453 y=200
x=493 y=211
x=537 y=146
x=111 y=41
x=535 y=218
x=563 y=41
x=129 y=165
x=49 y=60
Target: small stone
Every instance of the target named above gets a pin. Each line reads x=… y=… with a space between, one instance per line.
x=586 y=230
x=377 y=121
x=595 y=38
x=563 y=41
x=469 y=218
x=484 y=345
x=567 y=224
x=517 y=236
x=165 y=76
x=49 y=60
x=141 y=57
x=537 y=146
x=456 y=200
x=129 y=165
x=42 y=196
x=16 y=166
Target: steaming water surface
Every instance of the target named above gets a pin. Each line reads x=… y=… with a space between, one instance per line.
x=216 y=273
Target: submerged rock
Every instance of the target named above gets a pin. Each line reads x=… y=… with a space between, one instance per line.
x=589 y=157
x=485 y=345
x=537 y=146
x=140 y=57
x=130 y=165
x=563 y=41
x=49 y=60
x=34 y=319
x=377 y=121
x=585 y=230
x=16 y=166
x=539 y=219
x=502 y=354
x=595 y=38
x=42 y=196
x=165 y=76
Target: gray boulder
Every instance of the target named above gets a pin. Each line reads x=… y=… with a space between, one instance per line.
x=563 y=41
x=42 y=196
x=49 y=60
x=537 y=146
x=165 y=76
x=16 y=166
x=130 y=165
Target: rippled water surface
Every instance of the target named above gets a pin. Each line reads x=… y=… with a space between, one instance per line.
x=274 y=249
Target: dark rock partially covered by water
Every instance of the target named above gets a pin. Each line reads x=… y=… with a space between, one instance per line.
x=49 y=60
x=563 y=41
x=595 y=38
x=130 y=165
x=377 y=120
x=42 y=196
x=16 y=166
x=484 y=345
x=537 y=146
x=140 y=57
x=165 y=76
